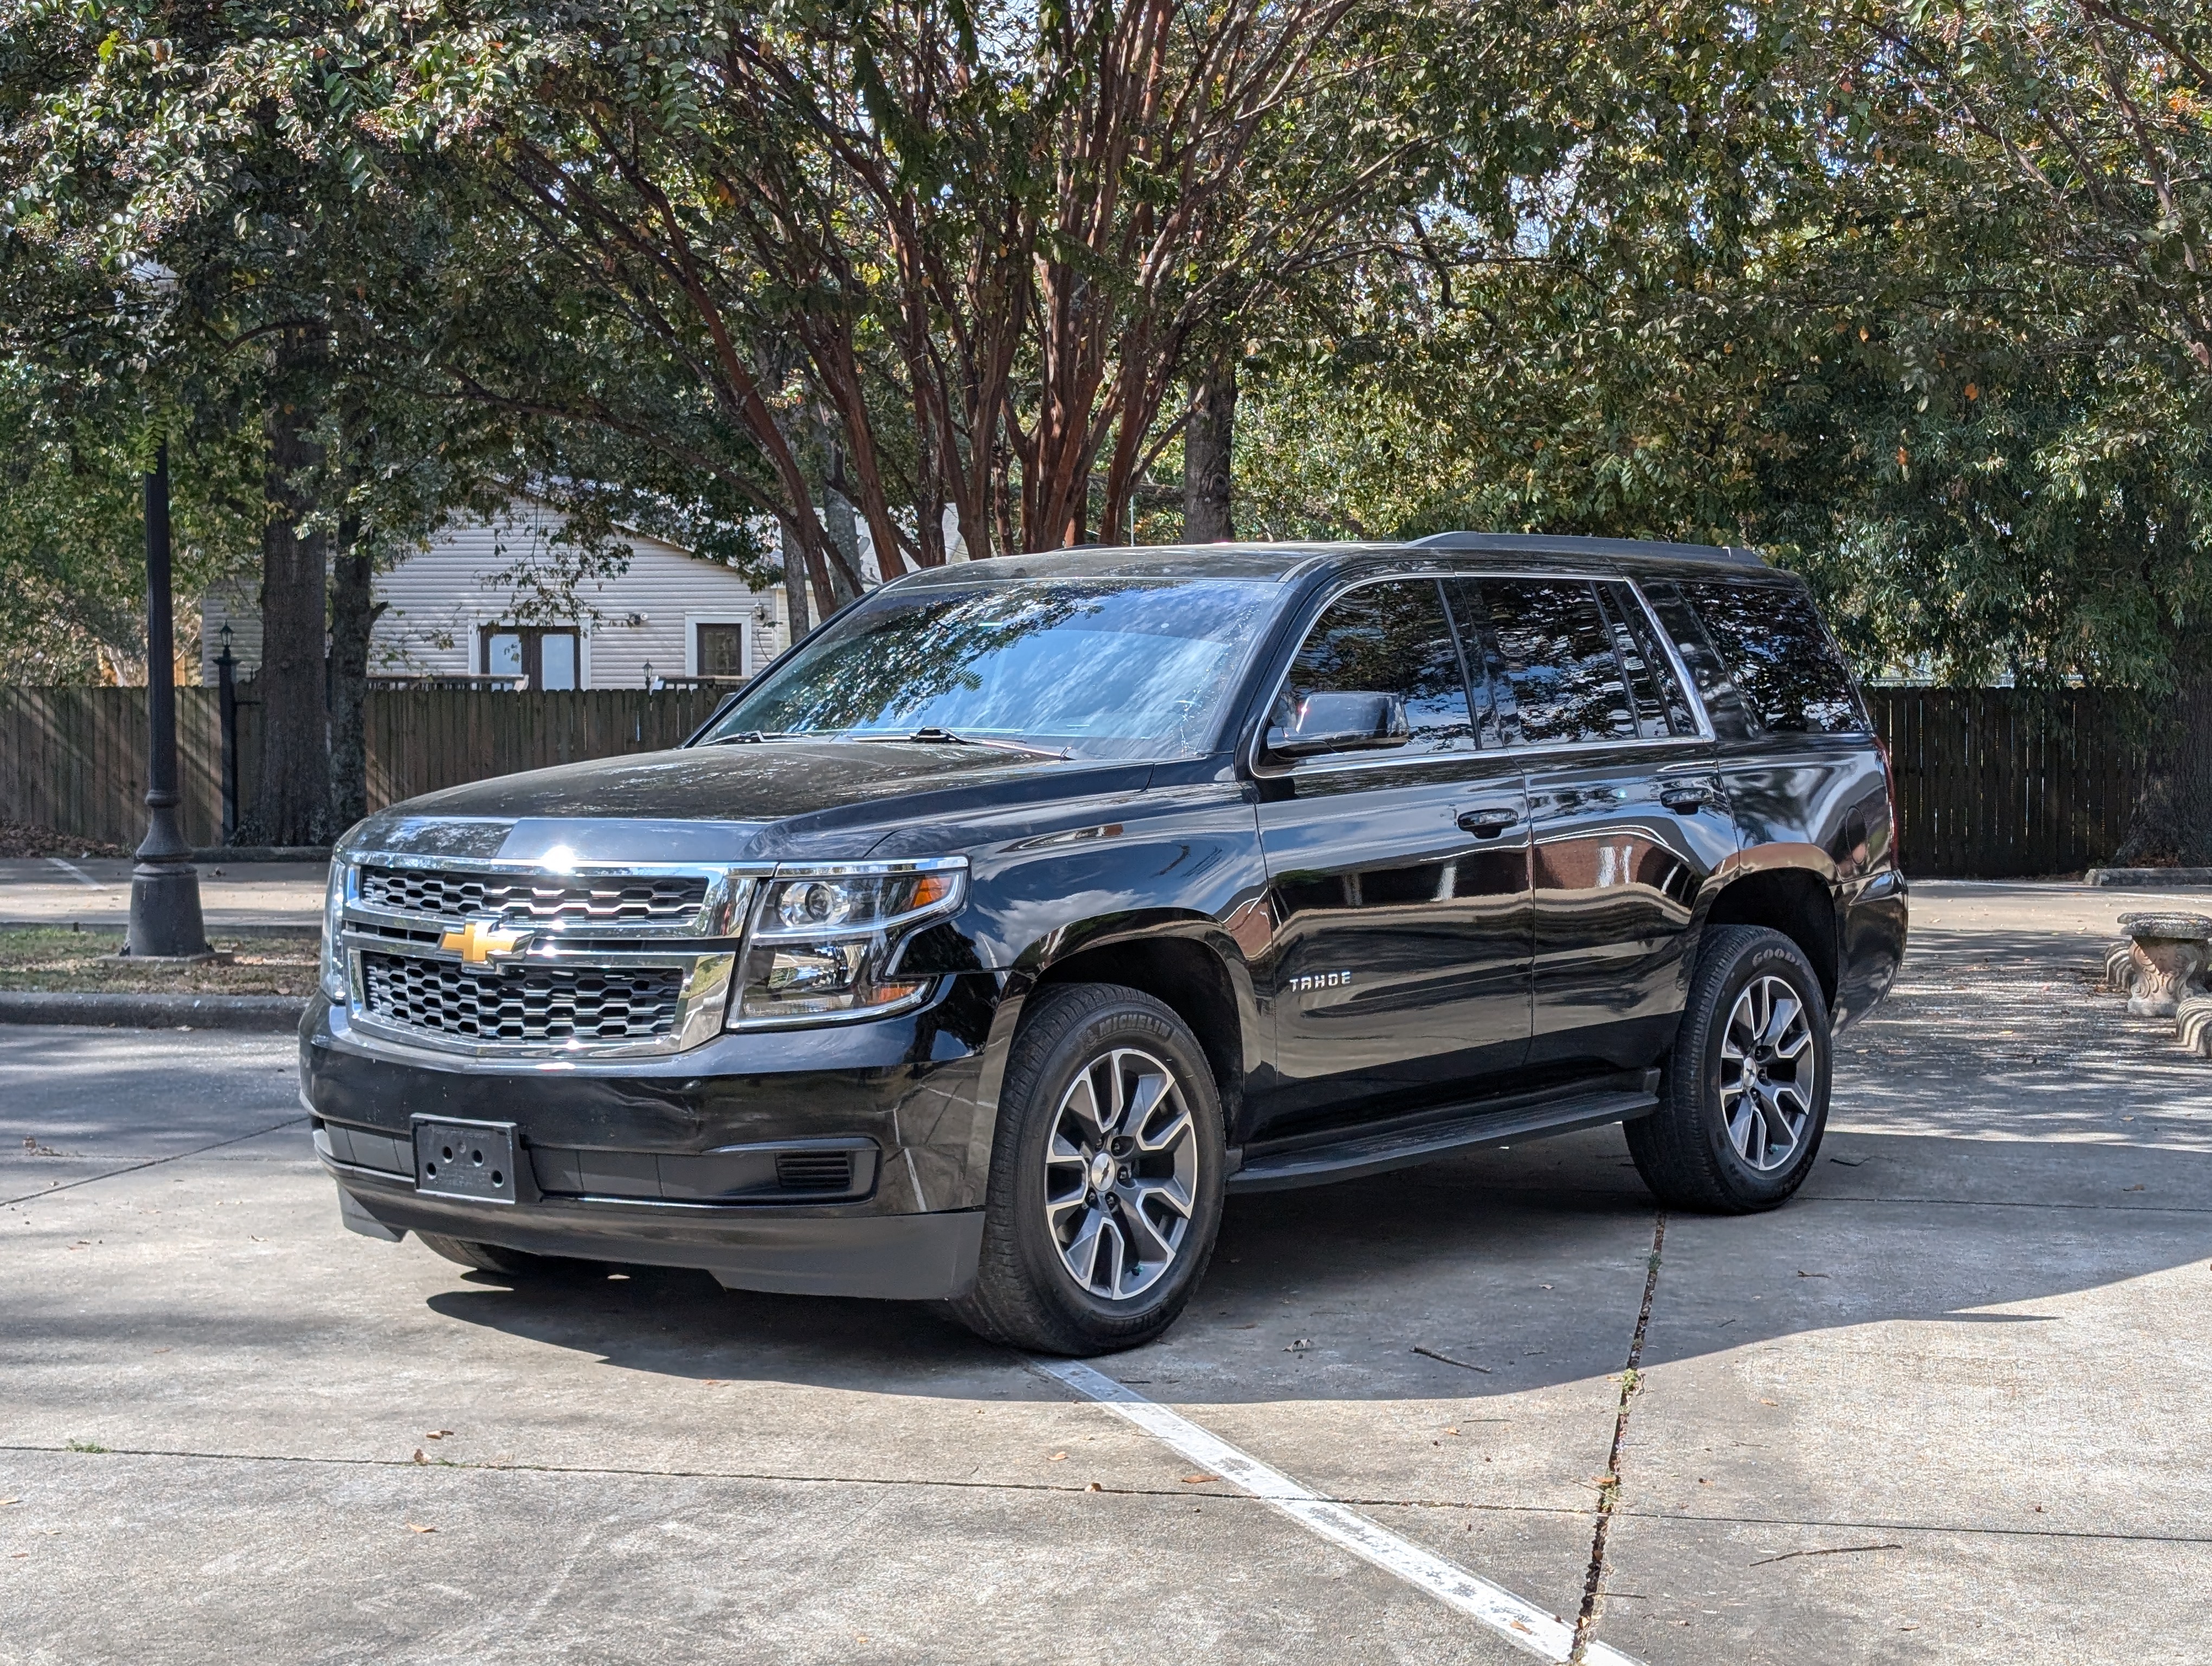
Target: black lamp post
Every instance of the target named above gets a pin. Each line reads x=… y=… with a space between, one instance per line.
x=164 y=886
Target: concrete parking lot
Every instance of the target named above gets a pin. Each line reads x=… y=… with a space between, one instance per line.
x=1948 y=1405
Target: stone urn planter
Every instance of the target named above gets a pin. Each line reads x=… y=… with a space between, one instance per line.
x=2170 y=953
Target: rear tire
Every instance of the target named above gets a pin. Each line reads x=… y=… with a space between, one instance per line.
x=492 y=1258
x=1105 y=1190
x=1745 y=1099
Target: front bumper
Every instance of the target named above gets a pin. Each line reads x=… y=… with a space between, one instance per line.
x=626 y=1159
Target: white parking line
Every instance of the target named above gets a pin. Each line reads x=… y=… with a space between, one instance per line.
x=1515 y=1619
x=77 y=873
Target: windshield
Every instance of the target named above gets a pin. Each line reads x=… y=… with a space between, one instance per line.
x=1093 y=667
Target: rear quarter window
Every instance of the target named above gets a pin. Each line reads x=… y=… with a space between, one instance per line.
x=1781 y=658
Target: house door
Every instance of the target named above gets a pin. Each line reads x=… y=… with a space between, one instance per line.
x=551 y=656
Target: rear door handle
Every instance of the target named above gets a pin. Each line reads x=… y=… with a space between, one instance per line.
x=1490 y=821
x=1686 y=795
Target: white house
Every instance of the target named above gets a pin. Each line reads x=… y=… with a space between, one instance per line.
x=456 y=608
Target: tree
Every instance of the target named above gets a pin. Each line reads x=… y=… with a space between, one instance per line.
x=987 y=237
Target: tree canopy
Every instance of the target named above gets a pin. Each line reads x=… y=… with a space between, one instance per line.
x=1913 y=295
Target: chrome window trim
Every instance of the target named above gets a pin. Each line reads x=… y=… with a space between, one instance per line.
x=1691 y=694
x=1254 y=745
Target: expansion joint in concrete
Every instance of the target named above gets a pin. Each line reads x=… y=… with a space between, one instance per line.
x=1608 y=1496
x=149 y=1162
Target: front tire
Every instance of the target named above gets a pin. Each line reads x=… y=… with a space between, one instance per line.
x=1106 y=1174
x=1744 y=1100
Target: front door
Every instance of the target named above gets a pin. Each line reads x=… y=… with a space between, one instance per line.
x=1399 y=881
x=1625 y=805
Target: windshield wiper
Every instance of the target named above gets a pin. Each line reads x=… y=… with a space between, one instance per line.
x=752 y=738
x=934 y=735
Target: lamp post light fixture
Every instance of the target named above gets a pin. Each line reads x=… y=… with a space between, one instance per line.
x=648 y=674
x=164 y=887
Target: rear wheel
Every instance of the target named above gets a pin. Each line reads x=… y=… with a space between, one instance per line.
x=1746 y=1097
x=1105 y=1189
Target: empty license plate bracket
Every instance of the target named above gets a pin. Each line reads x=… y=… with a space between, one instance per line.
x=471 y=1160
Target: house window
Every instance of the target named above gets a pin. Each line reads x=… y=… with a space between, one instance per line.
x=550 y=657
x=722 y=650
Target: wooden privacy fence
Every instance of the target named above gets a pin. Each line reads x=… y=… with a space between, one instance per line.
x=1991 y=783
x=74 y=759
x=2001 y=783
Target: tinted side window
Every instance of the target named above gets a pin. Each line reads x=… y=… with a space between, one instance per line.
x=1389 y=638
x=1661 y=709
x=1558 y=660
x=1780 y=656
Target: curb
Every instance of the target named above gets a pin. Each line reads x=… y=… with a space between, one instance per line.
x=304 y=930
x=2172 y=878
x=268 y=1014
x=264 y=852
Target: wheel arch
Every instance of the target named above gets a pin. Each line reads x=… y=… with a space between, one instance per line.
x=1793 y=901
x=1189 y=965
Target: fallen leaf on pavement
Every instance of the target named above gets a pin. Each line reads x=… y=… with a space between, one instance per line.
x=1199 y=1480
x=412 y=1527
x=419 y=1458
x=1094 y=1488
x=437 y=1434
x=1055 y=1457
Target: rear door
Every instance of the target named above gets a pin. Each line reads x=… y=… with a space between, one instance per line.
x=1626 y=806
x=1399 y=881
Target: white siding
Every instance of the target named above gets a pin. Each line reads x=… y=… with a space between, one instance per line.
x=436 y=601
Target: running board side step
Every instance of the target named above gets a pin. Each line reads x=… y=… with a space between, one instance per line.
x=1375 y=1153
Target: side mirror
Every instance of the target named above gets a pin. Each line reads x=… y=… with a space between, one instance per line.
x=1346 y=721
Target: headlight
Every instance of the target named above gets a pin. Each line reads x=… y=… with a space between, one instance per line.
x=335 y=983
x=825 y=941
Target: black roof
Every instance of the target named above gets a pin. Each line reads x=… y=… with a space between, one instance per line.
x=1281 y=562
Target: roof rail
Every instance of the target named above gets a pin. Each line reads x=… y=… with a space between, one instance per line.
x=1537 y=542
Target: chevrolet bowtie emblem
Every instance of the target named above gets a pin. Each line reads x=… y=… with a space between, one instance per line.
x=480 y=939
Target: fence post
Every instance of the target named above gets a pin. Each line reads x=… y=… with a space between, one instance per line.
x=226 y=667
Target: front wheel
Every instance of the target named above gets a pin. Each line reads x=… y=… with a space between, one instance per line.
x=1746 y=1097
x=1105 y=1189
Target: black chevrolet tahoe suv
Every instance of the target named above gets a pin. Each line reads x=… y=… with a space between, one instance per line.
x=1004 y=926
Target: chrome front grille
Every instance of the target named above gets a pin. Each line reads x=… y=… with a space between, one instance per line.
x=522 y=1004
x=543 y=899
x=499 y=958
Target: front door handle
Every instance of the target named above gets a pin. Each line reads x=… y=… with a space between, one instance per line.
x=1490 y=821
x=1686 y=795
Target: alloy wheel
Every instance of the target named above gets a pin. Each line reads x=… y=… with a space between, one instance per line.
x=1769 y=1073
x=1121 y=1174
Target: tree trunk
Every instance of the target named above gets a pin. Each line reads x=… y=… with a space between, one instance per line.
x=794 y=584
x=2171 y=824
x=295 y=774
x=844 y=529
x=353 y=617
x=1206 y=517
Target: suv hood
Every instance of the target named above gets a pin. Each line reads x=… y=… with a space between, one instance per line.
x=728 y=802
